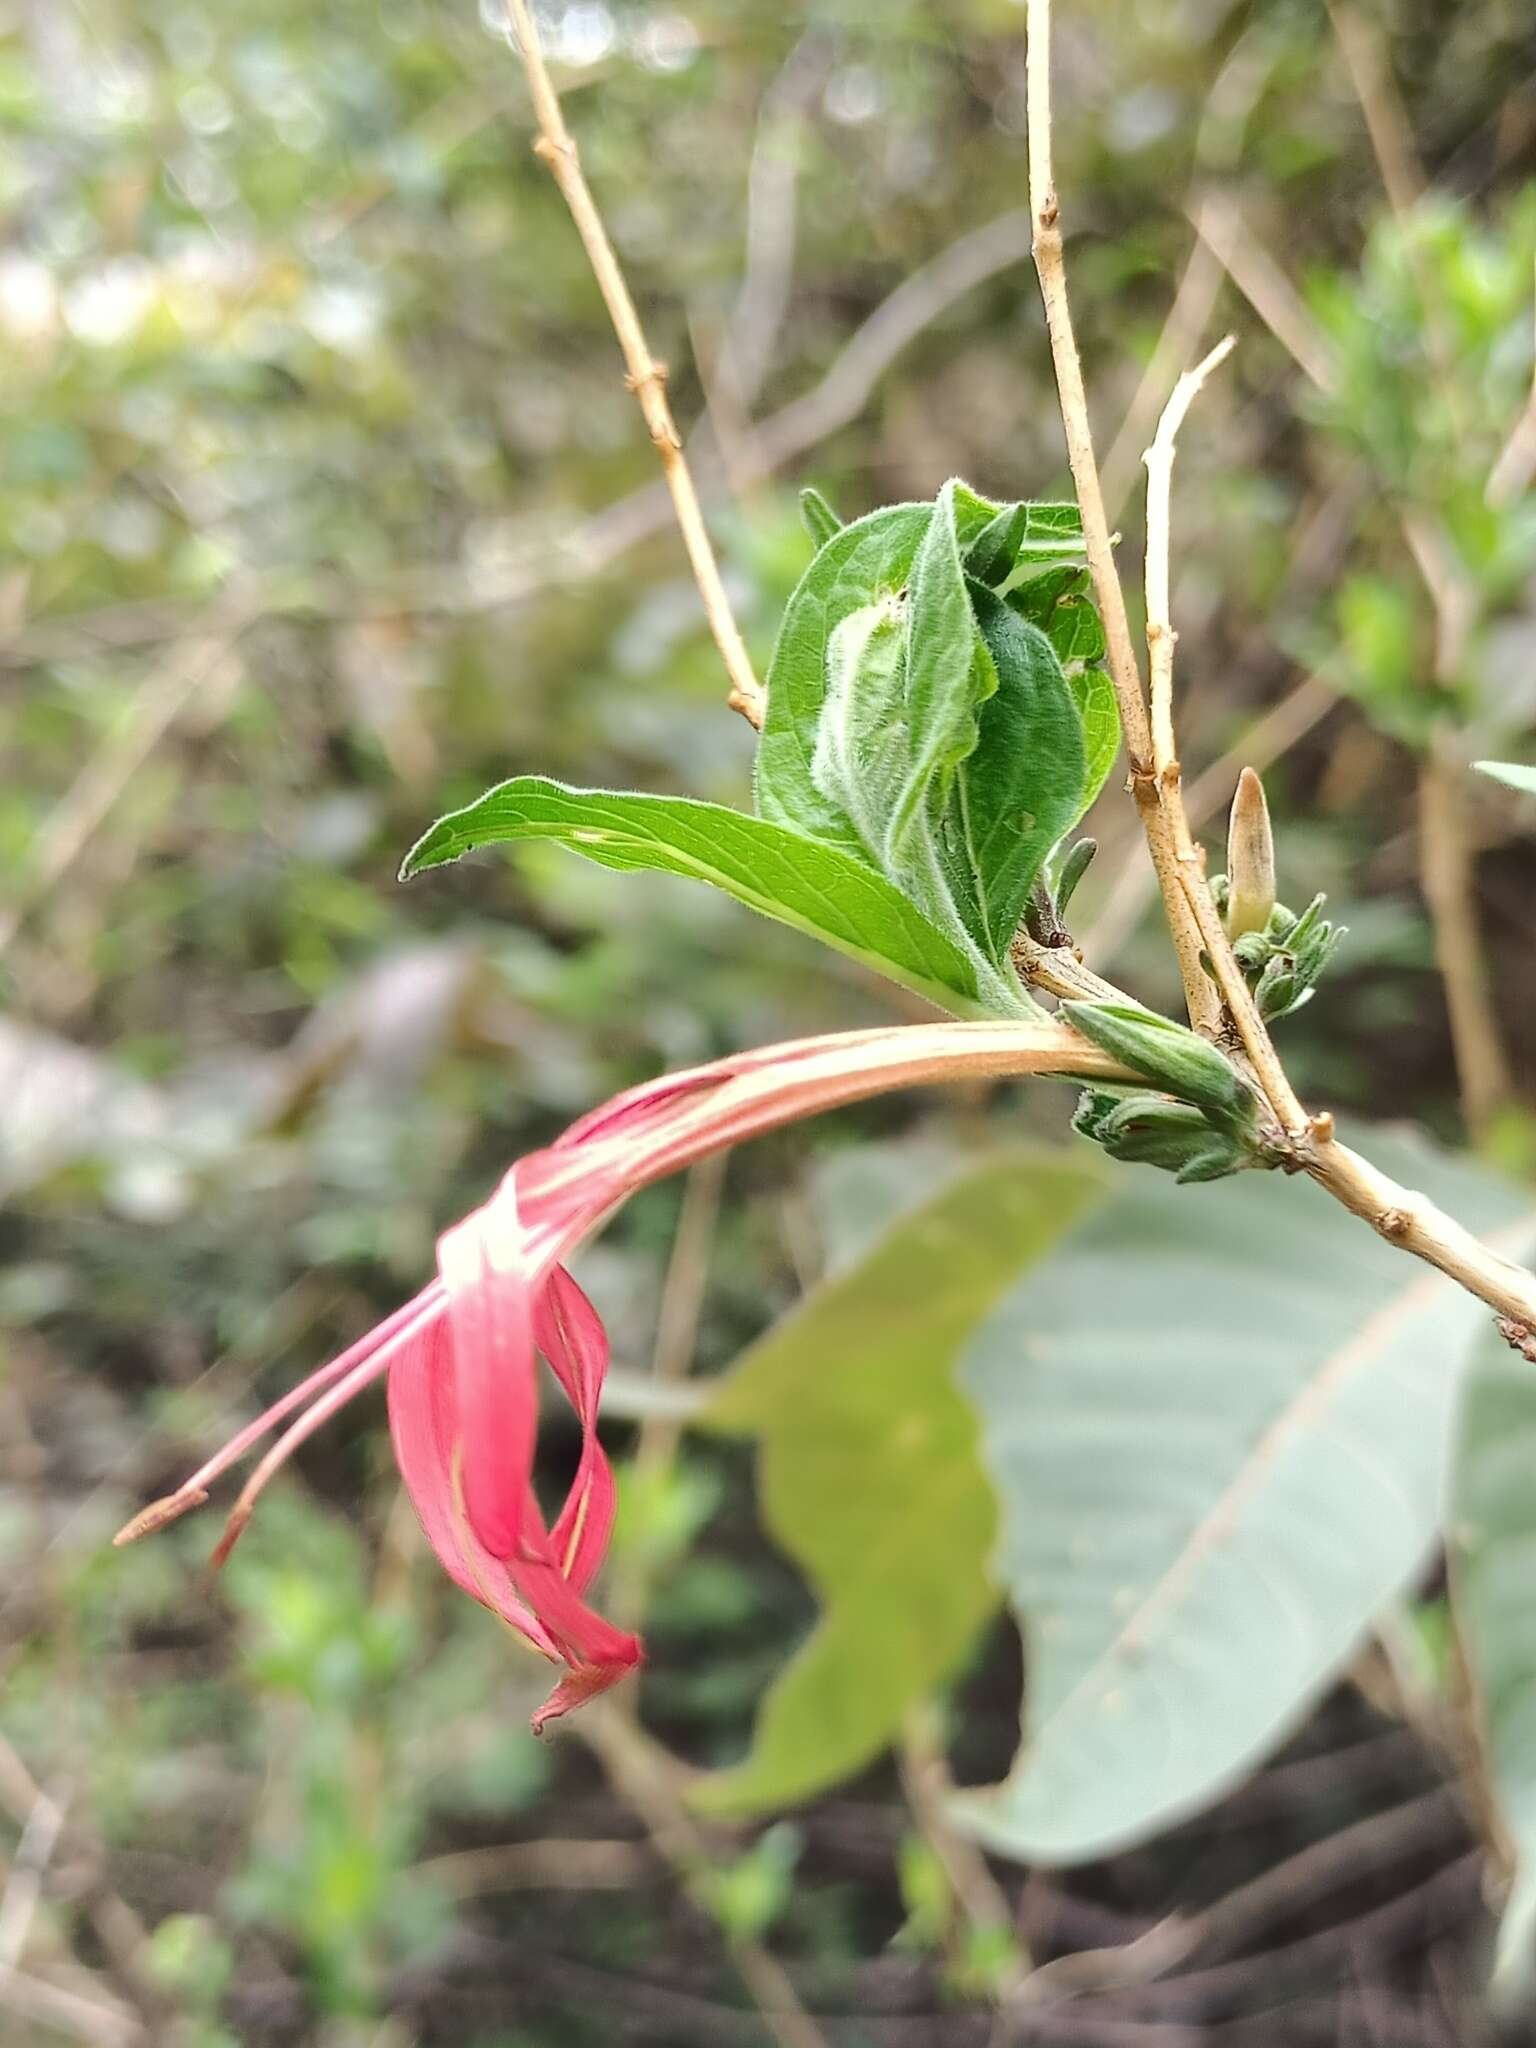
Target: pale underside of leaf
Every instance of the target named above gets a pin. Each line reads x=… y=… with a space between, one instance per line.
x=1493 y=1580
x=1217 y=1423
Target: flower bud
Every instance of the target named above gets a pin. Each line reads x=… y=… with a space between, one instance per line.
x=1250 y=859
x=1168 y=1054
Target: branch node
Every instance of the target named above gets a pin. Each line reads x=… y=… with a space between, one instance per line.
x=1394 y=1223
x=1519 y=1337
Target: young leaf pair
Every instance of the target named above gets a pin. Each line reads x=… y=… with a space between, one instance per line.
x=921 y=720
x=937 y=723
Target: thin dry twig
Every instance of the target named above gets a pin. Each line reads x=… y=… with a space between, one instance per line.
x=1270 y=736
x=1400 y=1215
x=1221 y=226
x=157 y=704
x=1448 y=877
x=24 y=1885
x=929 y=1788
x=1161 y=638
x=1193 y=304
x=548 y=1865
x=649 y=1779
x=646 y=377
x=1199 y=995
x=1446 y=870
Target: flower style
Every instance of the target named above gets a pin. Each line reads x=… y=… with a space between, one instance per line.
x=461 y=1358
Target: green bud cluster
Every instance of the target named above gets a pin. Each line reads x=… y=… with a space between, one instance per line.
x=1151 y=1130
x=1206 y=1125
x=1284 y=961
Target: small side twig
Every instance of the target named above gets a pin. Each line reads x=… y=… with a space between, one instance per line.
x=649 y=1781
x=24 y=1885
x=156 y=705
x=926 y=1780
x=1448 y=877
x=1161 y=638
x=1445 y=864
x=646 y=377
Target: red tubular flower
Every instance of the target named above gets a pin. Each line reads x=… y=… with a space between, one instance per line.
x=461 y=1358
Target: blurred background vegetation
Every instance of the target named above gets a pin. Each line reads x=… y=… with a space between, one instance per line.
x=322 y=504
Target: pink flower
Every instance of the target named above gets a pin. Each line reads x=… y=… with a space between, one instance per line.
x=461 y=1358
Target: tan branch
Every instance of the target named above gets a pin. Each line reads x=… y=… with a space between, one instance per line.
x=1045 y=210
x=1271 y=735
x=1414 y=1224
x=1448 y=876
x=646 y=377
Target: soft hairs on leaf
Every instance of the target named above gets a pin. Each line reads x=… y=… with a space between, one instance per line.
x=923 y=723
x=782 y=873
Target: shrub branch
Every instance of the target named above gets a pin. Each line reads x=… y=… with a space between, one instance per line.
x=1400 y=1215
x=646 y=377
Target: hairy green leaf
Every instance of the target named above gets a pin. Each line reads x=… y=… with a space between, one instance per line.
x=950 y=674
x=1022 y=536
x=1020 y=791
x=821 y=522
x=815 y=888
x=869 y=1471
x=1060 y=602
x=1218 y=1445
x=1100 y=718
x=866 y=564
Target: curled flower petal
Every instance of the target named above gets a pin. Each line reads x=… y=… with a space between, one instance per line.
x=461 y=1358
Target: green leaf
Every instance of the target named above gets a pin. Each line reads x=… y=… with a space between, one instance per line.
x=867 y=564
x=950 y=674
x=816 y=889
x=1020 y=791
x=1217 y=1434
x=1493 y=1540
x=1061 y=604
x=1513 y=772
x=821 y=522
x=1099 y=715
x=869 y=1475
x=1022 y=536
